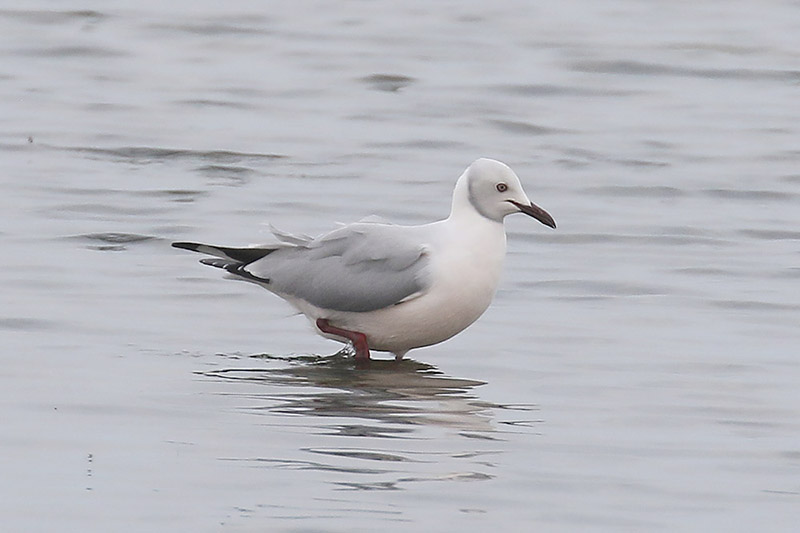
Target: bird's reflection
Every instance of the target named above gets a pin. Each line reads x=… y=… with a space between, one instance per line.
x=398 y=394
x=392 y=425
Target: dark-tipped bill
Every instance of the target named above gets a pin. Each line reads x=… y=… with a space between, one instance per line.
x=536 y=212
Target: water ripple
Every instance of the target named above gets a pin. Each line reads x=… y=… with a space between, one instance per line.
x=231 y=173
x=519 y=127
x=650 y=239
x=543 y=90
x=639 y=68
x=74 y=51
x=25 y=324
x=232 y=27
x=596 y=289
x=208 y=102
x=389 y=83
x=113 y=241
x=360 y=454
x=750 y=195
x=54 y=16
x=634 y=191
x=772 y=235
x=146 y=154
x=116 y=238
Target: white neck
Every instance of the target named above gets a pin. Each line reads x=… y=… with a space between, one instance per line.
x=462 y=206
x=467 y=225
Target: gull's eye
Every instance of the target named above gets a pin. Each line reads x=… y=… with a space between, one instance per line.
x=501 y=187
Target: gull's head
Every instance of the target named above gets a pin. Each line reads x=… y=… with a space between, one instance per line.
x=493 y=190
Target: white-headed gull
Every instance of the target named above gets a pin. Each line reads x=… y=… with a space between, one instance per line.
x=388 y=287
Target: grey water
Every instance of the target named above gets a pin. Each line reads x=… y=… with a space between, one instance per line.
x=639 y=369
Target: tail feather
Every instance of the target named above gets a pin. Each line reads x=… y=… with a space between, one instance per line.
x=239 y=255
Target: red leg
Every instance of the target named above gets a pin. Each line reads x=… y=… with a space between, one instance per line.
x=359 y=340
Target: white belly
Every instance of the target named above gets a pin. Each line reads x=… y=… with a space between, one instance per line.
x=464 y=281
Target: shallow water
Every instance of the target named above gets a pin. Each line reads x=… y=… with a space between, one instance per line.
x=638 y=369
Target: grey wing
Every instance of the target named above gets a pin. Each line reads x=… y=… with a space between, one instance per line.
x=360 y=267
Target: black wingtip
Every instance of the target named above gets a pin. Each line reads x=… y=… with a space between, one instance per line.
x=239 y=255
x=193 y=246
x=235 y=268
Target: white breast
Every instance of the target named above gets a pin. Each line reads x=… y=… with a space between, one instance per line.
x=465 y=270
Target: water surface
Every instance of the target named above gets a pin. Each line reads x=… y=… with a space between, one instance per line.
x=637 y=371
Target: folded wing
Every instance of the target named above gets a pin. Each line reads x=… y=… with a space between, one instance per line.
x=359 y=267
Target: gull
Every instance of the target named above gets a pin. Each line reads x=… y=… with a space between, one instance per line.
x=388 y=287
